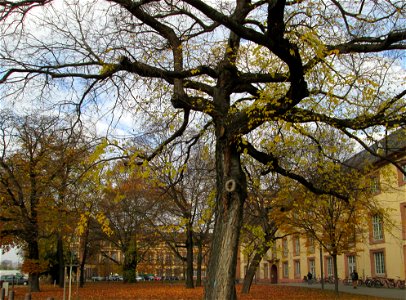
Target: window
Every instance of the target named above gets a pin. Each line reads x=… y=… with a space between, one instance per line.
x=296 y=263
x=374 y=184
x=168 y=259
x=351 y=260
x=265 y=271
x=113 y=256
x=274 y=251
x=310 y=245
x=379 y=263
x=312 y=267
x=330 y=266
x=403 y=218
x=285 y=269
x=296 y=245
x=352 y=237
x=285 y=247
x=377 y=227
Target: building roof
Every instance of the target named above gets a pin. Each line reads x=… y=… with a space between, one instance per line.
x=390 y=147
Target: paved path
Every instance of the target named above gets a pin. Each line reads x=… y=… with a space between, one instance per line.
x=361 y=290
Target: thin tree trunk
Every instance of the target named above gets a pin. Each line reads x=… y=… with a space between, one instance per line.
x=189 y=257
x=252 y=268
x=321 y=267
x=335 y=273
x=231 y=194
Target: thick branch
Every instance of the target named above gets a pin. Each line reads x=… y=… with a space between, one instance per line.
x=361 y=122
x=273 y=161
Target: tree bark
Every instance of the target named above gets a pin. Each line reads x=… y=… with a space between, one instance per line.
x=253 y=266
x=321 y=267
x=334 y=256
x=33 y=256
x=231 y=194
x=84 y=257
x=199 y=263
x=130 y=262
x=189 y=256
x=61 y=262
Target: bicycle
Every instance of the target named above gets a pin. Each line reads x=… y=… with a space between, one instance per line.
x=376 y=282
x=384 y=282
x=368 y=282
x=347 y=281
x=400 y=283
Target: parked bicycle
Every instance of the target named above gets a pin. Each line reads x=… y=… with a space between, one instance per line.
x=348 y=281
x=400 y=283
x=373 y=282
x=386 y=282
x=379 y=282
x=330 y=279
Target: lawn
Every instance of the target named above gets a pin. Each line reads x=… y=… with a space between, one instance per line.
x=167 y=291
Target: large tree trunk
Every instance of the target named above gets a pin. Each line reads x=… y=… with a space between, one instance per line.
x=33 y=258
x=130 y=262
x=189 y=256
x=252 y=268
x=84 y=256
x=61 y=262
x=82 y=268
x=231 y=194
x=199 y=263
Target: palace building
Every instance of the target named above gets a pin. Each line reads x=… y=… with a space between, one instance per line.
x=382 y=250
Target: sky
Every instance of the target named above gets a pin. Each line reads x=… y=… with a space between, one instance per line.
x=11 y=255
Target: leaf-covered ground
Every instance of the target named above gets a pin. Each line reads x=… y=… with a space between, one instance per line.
x=167 y=291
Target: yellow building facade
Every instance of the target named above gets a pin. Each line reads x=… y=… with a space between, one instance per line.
x=381 y=252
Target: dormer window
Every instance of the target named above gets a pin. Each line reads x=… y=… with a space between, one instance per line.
x=374 y=184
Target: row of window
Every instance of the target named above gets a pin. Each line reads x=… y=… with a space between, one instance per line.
x=377 y=235
x=377 y=266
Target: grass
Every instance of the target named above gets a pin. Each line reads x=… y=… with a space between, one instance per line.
x=168 y=291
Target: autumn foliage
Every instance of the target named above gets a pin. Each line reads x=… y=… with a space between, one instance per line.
x=158 y=290
x=34 y=266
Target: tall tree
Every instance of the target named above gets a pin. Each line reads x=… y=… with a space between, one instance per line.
x=33 y=180
x=186 y=183
x=128 y=199
x=259 y=229
x=243 y=64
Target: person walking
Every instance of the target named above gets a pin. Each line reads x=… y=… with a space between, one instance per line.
x=309 y=278
x=354 y=278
